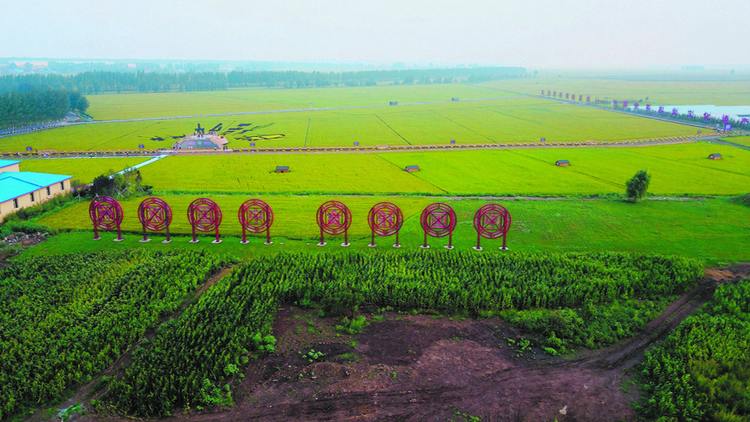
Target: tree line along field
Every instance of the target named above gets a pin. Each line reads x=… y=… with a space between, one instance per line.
x=720 y=93
x=136 y=106
x=486 y=122
x=713 y=230
x=677 y=170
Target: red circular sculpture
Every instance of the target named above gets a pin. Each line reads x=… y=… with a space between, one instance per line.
x=155 y=215
x=256 y=216
x=106 y=214
x=334 y=218
x=492 y=221
x=385 y=219
x=438 y=220
x=204 y=215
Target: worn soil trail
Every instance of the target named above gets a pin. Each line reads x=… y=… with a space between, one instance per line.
x=418 y=368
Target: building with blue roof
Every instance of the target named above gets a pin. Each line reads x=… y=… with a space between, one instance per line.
x=21 y=189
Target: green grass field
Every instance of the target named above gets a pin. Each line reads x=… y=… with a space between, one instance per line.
x=656 y=92
x=714 y=230
x=676 y=169
x=501 y=121
x=135 y=106
x=739 y=140
x=82 y=169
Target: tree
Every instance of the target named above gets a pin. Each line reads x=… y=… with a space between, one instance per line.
x=636 y=187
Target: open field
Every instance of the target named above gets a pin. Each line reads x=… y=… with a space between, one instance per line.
x=655 y=92
x=135 y=106
x=714 y=230
x=740 y=140
x=82 y=169
x=500 y=121
x=677 y=169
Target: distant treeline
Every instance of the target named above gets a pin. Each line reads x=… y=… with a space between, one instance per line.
x=36 y=106
x=103 y=81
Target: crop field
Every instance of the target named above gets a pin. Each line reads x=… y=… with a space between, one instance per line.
x=656 y=92
x=677 y=169
x=501 y=121
x=711 y=230
x=82 y=169
x=741 y=140
x=136 y=106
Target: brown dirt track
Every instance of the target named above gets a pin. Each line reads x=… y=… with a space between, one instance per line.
x=419 y=368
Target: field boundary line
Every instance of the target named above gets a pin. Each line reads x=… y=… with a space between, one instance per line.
x=392 y=129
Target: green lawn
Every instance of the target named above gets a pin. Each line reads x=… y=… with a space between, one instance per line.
x=713 y=230
x=740 y=140
x=82 y=169
x=502 y=121
x=676 y=169
x=725 y=93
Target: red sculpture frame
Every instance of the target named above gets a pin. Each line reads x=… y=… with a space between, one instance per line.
x=155 y=215
x=255 y=216
x=434 y=222
x=106 y=214
x=204 y=215
x=492 y=221
x=385 y=219
x=334 y=218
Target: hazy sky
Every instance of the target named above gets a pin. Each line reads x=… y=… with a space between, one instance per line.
x=531 y=33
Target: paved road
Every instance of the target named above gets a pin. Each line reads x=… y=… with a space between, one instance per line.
x=293 y=110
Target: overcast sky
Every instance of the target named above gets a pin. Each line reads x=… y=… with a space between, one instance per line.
x=531 y=33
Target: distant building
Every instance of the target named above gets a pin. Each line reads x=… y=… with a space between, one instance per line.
x=201 y=141
x=282 y=169
x=412 y=169
x=21 y=189
x=562 y=163
x=715 y=156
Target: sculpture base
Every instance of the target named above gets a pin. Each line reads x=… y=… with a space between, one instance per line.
x=98 y=238
x=268 y=243
x=371 y=245
x=477 y=248
x=504 y=248
x=424 y=246
x=144 y=240
x=119 y=239
x=244 y=242
x=194 y=240
x=345 y=245
x=216 y=242
x=166 y=241
x=321 y=243
x=449 y=247
x=396 y=245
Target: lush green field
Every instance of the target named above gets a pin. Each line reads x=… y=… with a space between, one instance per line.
x=136 y=106
x=656 y=92
x=676 y=169
x=740 y=140
x=501 y=121
x=82 y=169
x=712 y=230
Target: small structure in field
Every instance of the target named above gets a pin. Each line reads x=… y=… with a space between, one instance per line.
x=715 y=156
x=562 y=163
x=394 y=103
x=282 y=169
x=412 y=169
x=454 y=99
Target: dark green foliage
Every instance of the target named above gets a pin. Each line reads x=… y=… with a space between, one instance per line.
x=230 y=322
x=67 y=318
x=701 y=372
x=28 y=108
x=742 y=200
x=636 y=187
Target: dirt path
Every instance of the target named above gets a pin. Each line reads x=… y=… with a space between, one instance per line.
x=421 y=367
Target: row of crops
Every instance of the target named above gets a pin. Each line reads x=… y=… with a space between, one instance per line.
x=702 y=370
x=187 y=361
x=67 y=318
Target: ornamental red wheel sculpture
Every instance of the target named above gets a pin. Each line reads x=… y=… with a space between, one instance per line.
x=204 y=215
x=256 y=217
x=385 y=219
x=491 y=222
x=106 y=214
x=334 y=218
x=438 y=220
x=155 y=215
